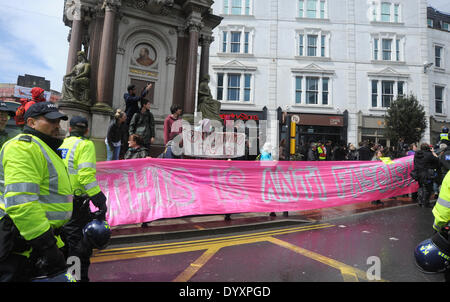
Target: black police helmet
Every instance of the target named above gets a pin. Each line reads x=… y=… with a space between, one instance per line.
x=97 y=233
x=433 y=255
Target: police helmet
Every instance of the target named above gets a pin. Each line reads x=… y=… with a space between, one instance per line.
x=433 y=255
x=60 y=277
x=445 y=129
x=97 y=233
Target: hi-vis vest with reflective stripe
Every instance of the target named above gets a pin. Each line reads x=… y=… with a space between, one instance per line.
x=322 y=154
x=35 y=186
x=444 y=136
x=79 y=157
x=441 y=210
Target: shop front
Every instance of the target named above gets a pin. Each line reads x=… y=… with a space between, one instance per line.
x=372 y=129
x=320 y=128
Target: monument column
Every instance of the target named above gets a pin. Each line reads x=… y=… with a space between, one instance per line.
x=194 y=25
x=75 y=43
x=105 y=76
x=204 y=59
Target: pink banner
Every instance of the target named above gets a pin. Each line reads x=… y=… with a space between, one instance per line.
x=148 y=189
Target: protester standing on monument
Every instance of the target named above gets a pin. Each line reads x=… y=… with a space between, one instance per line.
x=116 y=136
x=143 y=124
x=132 y=101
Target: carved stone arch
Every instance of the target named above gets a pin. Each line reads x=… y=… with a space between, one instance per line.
x=135 y=31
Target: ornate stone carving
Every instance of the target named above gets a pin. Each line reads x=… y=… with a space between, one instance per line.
x=209 y=107
x=76 y=84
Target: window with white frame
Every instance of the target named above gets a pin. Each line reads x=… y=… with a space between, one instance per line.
x=237 y=40
x=439 y=99
x=312 y=90
x=235 y=86
x=383 y=92
x=446 y=26
x=388 y=47
x=313 y=43
x=237 y=7
x=438 y=56
x=313 y=9
x=386 y=11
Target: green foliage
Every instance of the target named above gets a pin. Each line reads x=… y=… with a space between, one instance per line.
x=405 y=119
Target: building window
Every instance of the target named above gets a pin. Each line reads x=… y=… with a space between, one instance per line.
x=391 y=47
x=313 y=9
x=439 y=99
x=375 y=49
x=312 y=90
x=237 y=7
x=387 y=93
x=383 y=92
x=386 y=12
x=237 y=40
x=387 y=48
x=220 y=86
x=430 y=22
x=298 y=90
x=313 y=43
x=446 y=26
x=374 y=93
x=438 y=56
x=234 y=87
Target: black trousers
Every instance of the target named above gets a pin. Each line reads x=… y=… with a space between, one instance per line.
x=424 y=192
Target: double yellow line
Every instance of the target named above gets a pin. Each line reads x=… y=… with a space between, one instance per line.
x=212 y=246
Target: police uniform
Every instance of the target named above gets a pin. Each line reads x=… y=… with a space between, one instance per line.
x=36 y=201
x=79 y=157
x=441 y=210
x=3 y=134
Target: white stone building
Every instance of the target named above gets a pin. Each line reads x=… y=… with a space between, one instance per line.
x=336 y=63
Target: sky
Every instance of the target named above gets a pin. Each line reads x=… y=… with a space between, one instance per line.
x=33 y=39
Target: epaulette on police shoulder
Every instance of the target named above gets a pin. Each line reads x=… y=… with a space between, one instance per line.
x=25 y=138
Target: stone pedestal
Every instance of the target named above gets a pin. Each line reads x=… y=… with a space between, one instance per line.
x=73 y=109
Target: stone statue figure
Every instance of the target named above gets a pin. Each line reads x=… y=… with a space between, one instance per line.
x=209 y=107
x=76 y=84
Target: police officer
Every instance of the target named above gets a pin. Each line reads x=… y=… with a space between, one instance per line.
x=425 y=163
x=78 y=153
x=443 y=137
x=5 y=115
x=37 y=198
x=441 y=209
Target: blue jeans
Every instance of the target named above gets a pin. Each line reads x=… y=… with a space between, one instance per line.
x=112 y=154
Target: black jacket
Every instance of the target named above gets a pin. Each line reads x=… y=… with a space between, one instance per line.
x=424 y=163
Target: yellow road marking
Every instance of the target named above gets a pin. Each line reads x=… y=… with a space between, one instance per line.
x=349 y=273
x=212 y=246
x=196 y=245
x=192 y=269
x=210 y=240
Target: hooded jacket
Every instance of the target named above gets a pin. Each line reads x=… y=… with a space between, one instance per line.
x=423 y=161
x=35 y=97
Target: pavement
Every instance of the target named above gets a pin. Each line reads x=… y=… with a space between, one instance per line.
x=194 y=226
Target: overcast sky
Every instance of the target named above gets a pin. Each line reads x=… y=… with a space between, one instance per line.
x=33 y=39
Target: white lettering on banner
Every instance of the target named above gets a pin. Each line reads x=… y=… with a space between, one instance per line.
x=159 y=188
x=227 y=185
x=283 y=186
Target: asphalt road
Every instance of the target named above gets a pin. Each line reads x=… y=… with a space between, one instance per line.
x=372 y=246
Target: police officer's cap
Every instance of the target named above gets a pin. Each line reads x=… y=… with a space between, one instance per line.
x=79 y=121
x=46 y=109
x=4 y=107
